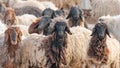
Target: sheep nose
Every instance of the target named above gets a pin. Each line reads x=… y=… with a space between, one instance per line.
x=40 y=27
x=101 y=36
x=61 y=34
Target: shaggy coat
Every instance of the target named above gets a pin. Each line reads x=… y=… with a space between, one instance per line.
x=9 y=16
x=100 y=50
x=28 y=10
x=42 y=51
x=11 y=19
x=13 y=37
x=9 y=54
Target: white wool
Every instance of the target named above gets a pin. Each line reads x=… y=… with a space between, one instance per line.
x=32 y=51
x=3 y=27
x=24 y=30
x=113 y=58
x=76 y=48
x=26 y=19
x=33 y=3
x=113 y=23
x=48 y=4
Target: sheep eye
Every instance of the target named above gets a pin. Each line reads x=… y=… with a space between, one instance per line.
x=101 y=20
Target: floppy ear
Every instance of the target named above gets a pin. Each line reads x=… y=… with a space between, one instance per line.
x=69 y=15
x=6 y=35
x=53 y=15
x=19 y=34
x=107 y=32
x=81 y=14
x=43 y=13
x=93 y=32
x=68 y=30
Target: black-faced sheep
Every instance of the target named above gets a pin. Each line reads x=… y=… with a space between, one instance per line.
x=40 y=25
x=103 y=51
x=58 y=49
x=75 y=17
x=53 y=13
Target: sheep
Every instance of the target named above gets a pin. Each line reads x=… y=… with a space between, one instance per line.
x=26 y=7
x=48 y=12
x=113 y=24
x=58 y=49
x=9 y=54
x=10 y=18
x=75 y=17
x=102 y=50
x=40 y=25
x=28 y=10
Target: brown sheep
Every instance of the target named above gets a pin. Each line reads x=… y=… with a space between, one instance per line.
x=12 y=40
x=13 y=36
x=9 y=16
x=101 y=48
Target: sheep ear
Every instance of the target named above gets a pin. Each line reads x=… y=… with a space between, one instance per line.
x=81 y=15
x=6 y=36
x=19 y=35
x=53 y=15
x=68 y=30
x=107 y=32
x=93 y=32
x=69 y=15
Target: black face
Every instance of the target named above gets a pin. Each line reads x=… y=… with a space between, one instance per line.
x=44 y=23
x=48 y=12
x=75 y=13
x=100 y=30
x=59 y=12
x=60 y=28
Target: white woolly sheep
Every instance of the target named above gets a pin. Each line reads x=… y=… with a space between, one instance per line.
x=113 y=23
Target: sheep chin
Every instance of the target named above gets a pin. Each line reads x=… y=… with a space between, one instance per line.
x=14 y=42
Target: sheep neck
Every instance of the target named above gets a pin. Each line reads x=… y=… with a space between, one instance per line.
x=56 y=52
x=98 y=49
x=76 y=23
x=11 y=48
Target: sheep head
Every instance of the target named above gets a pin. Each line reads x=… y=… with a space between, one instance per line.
x=59 y=12
x=75 y=14
x=49 y=12
x=100 y=30
x=105 y=19
x=9 y=16
x=13 y=35
x=60 y=29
